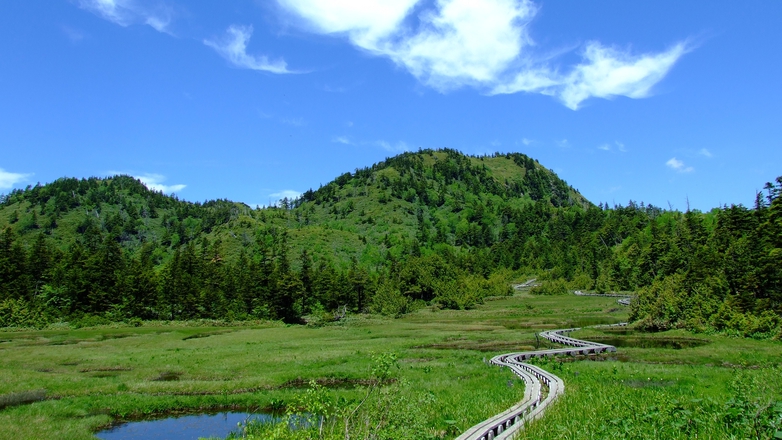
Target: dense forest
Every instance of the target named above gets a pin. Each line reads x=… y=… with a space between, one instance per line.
x=431 y=228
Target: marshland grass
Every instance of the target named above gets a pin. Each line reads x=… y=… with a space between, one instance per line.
x=94 y=377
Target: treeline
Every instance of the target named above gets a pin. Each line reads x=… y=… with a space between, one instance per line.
x=720 y=270
x=121 y=205
x=431 y=228
x=96 y=281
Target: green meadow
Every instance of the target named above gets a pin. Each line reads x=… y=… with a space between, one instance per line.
x=69 y=384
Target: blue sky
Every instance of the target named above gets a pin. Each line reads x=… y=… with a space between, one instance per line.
x=660 y=102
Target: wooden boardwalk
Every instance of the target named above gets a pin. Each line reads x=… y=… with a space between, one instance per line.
x=541 y=388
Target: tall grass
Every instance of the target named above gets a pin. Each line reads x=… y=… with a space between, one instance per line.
x=97 y=376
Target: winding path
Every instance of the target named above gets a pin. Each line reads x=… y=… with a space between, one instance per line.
x=541 y=388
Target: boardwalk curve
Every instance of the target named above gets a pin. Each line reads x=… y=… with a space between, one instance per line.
x=541 y=388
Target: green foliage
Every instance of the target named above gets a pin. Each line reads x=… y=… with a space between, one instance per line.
x=389 y=301
x=620 y=404
x=551 y=287
x=107 y=373
x=388 y=410
x=431 y=227
x=16 y=313
x=730 y=319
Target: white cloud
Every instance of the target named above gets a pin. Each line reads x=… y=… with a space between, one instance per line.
x=621 y=146
x=342 y=140
x=677 y=165
x=364 y=21
x=284 y=194
x=608 y=72
x=705 y=152
x=127 y=12
x=464 y=42
x=448 y=44
x=289 y=193
x=526 y=141
x=604 y=147
x=233 y=47
x=564 y=143
x=155 y=182
x=9 y=179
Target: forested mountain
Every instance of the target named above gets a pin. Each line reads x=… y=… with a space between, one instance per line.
x=432 y=227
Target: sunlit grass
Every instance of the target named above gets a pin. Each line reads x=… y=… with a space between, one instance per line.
x=94 y=376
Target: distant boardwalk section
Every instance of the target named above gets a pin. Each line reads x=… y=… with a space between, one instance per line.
x=541 y=387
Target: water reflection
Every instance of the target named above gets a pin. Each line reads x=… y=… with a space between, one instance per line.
x=673 y=343
x=181 y=428
x=588 y=321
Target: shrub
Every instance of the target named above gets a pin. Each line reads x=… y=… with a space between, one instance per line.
x=581 y=281
x=389 y=301
x=553 y=287
x=17 y=313
x=89 y=321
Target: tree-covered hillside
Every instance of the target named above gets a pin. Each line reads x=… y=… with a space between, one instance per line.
x=431 y=227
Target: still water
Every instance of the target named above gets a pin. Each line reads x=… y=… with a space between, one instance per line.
x=672 y=343
x=181 y=428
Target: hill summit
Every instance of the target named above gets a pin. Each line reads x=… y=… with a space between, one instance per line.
x=435 y=228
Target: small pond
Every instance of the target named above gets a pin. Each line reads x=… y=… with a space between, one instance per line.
x=588 y=321
x=186 y=427
x=673 y=343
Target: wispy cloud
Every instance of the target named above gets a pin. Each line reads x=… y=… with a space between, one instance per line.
x=677 y=165
x=233 y=47
x=394 y=147
x=448 y=44
x=609 y=147
x=342 y=140
x=74 y=35
x=333 y=89
x=564 y=143
x=9 y=179
x=705 y=152
x=527 y=142
x=608 y=72
x=295 y=122
x=398 y=147
x=155 y=182
x=127 y=12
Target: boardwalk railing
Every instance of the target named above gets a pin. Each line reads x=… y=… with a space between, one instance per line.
x=505 y=424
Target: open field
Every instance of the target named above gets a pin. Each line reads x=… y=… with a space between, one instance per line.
x=95 y=376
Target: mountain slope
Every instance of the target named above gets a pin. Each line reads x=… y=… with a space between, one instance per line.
x=430 y=196
x=431 y=227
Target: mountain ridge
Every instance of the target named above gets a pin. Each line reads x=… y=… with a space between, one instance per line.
x=434 y=227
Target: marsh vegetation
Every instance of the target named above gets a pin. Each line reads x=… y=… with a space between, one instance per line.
x=422 y=373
